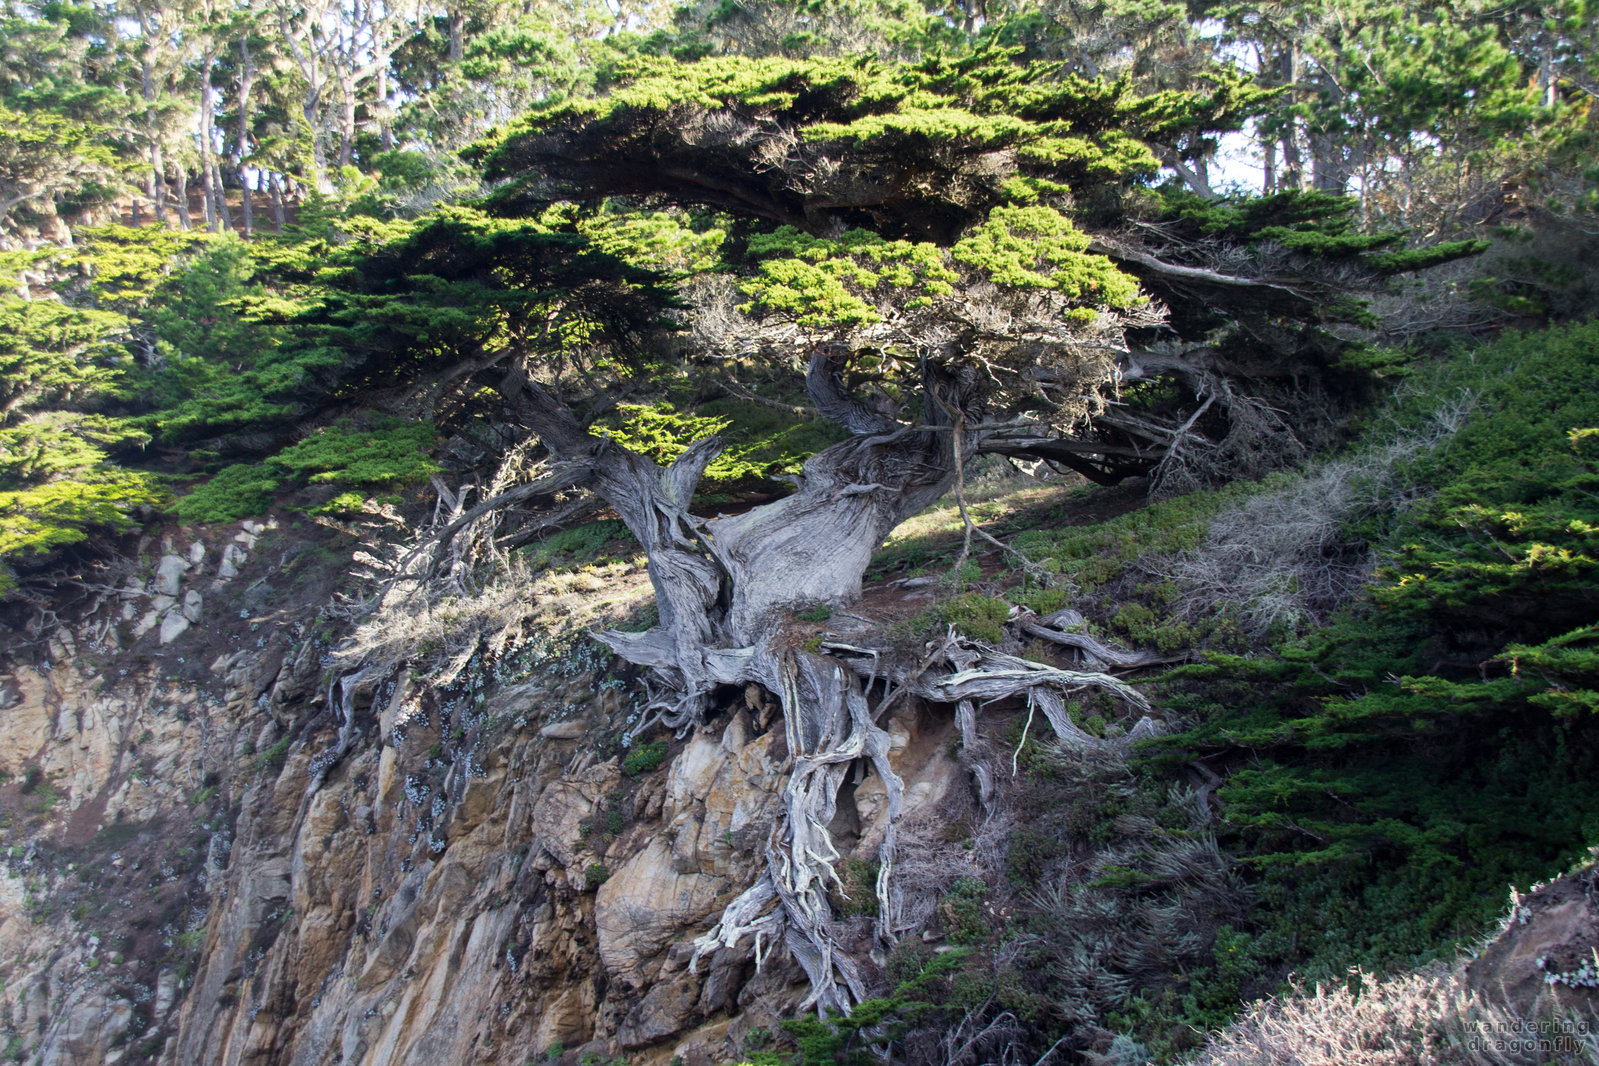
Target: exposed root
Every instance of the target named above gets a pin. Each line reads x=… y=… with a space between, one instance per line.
x=829 y=726
x=1096 y=653
x=982 y=675
x=342 y=691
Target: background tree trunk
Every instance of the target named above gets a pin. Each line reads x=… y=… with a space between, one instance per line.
x=246 y=81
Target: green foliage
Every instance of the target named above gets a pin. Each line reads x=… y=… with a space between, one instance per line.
x=858 y=895
x=1038 y=248
x=129 y=269
x=1471 y=664
x=963 y=911
x=977 y=616
x=579 y=546
x=824 y=283
x=389 y=454
x=38 y=518
x=1090 y=555
x=854 y=279
x=458 y=285
x=936 y=111
x=49 y=160
x=596 y=874
x=273 y=758
x=1168 y=1020
x=763 y=444
x=258 y=337
x=660 y=432
x=59 y=369
x=918 y=1000
x=760 y=443
x=221 y=363
x=657 y=240
x=51 y=353
x=235 y=492
x=643 y=758
x=1312 y=223
x=343 y=505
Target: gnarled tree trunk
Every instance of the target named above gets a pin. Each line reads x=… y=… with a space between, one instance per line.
x=724 y=588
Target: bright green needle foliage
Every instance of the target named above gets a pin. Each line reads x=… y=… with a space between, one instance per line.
x=660 y=432
x=256 y=338
x=930 y=994
x=391 y=454
x=824 y=283
x=126 y=265
x=59 y=368
x=657 y=240
x=1039 y=248
x=459 y=287
x=236 y=492
x=1010 y=183
x=919 y=151
x=37 y=518
x=1310 y=223
x=202 y=310
x=398 y=306
x=50 y=161
x=224 y=367
x=51 y=353
x=761 y=444
x=861 y=278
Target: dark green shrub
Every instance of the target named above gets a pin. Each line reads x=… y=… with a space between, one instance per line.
x=1394 y=771
x=963 y=911
x=642 y=758
x=235 y=492
x=275 y=756
x=579 y=545
x=977 y=616
x=859 y=896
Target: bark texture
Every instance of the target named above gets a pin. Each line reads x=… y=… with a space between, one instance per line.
x=726 y=586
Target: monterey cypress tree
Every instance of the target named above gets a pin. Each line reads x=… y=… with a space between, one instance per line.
x=978 y=242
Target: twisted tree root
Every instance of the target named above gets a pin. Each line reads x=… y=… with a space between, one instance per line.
x=829 y=725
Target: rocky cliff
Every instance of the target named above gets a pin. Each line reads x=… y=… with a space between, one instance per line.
x=223 y=848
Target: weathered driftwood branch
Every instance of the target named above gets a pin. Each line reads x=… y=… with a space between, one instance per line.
x=563 y=476
x=1127 y=253
x=1049 y=628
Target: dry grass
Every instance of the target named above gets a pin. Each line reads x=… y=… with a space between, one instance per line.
x=1281 y=559
x=1426 y=1018
x=993 y=492
x=435 y=627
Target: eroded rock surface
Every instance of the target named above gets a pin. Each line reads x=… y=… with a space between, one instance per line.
x=1547 y=956
x=207 y=865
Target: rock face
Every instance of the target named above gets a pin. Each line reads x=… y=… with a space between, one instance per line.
x=169 y=575
x=111 y=836
x=1548 y=953
x=208 y=865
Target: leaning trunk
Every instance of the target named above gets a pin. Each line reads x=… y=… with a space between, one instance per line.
x=347 y=123
x=182 y=180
